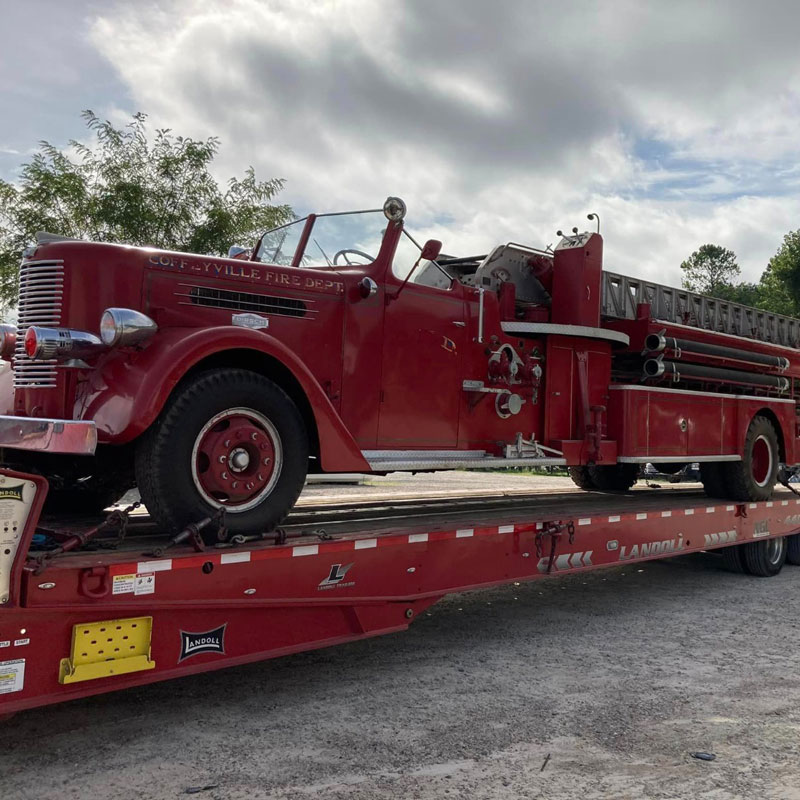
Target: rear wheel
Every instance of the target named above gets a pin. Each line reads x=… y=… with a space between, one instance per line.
x=793 y=549
x=228 y=439
x=614 y=477
x=765 y=558
x=753 y=478
x=733 y=559
x=713 y=478
x=581 y=477
x=611 y=478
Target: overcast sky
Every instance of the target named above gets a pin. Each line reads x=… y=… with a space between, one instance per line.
x=679 y=123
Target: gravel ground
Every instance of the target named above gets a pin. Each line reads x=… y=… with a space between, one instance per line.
x=589 y=686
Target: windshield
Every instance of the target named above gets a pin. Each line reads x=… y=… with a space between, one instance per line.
x=336 y=240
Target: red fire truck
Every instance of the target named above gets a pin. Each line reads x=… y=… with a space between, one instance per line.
x=340 y=344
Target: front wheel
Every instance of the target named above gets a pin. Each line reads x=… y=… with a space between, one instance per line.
x=228 y=439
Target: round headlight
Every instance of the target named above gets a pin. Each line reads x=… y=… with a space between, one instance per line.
x=394 y=209
x=109 y=333
x=125 y=327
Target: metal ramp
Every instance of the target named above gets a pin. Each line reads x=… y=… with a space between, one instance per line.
x=622 y=294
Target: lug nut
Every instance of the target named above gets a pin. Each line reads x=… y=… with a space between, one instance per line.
x=222 y=459
x=254 y=436
x=235 y=485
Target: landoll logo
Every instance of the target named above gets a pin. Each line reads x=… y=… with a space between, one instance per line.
x=193 y=644
x=336 y=576
x=11 y=492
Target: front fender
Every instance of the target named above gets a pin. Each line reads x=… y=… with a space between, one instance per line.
x=127 y=391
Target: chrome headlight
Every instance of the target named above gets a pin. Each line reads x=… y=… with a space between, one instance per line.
x=124 y=327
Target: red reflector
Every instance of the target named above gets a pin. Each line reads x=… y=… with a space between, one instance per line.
x=31 y=345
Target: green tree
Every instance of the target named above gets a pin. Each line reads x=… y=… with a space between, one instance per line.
x=710 y=270
x=134 y=187
x=780 y=283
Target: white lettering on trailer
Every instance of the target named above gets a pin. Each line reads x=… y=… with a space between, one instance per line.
x=761 y=529
x=726 y=537
x=566 y=561
x=652 y=549
x=12 y=676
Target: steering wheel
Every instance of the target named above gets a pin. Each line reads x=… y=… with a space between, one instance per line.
x=345 y=252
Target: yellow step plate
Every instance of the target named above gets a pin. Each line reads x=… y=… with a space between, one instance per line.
x=110 y=647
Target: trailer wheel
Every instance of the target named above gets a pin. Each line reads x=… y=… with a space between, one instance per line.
x=713 y=477
x=581 y=478
x=765 y=558
x=614 y=477
x=753 y=478
x=733 y=559
x=228 y=439
x=793 y=549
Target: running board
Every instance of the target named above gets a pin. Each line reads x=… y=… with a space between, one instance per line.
x=411 y=460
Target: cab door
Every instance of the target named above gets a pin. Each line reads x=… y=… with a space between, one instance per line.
x=421 y=372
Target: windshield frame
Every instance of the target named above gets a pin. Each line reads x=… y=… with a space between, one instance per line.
x=302 y=242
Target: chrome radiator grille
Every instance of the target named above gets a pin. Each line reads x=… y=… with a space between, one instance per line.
x=41 y=291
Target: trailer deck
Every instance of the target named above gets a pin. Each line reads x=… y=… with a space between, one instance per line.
x=119 y=613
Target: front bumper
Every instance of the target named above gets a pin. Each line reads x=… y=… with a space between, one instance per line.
x=78 y=437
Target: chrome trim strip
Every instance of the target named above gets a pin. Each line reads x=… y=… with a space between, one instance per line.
x=565 y=330
x=78 y=437
x=674 y=459
x=721 y=395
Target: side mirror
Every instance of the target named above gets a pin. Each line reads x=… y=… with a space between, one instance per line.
x=431 y=250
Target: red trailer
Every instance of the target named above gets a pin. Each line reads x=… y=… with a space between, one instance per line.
x=88 y=610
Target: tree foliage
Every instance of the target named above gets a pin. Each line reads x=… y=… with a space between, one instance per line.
x=710 y=270
x=780 y=284
x=134 y=187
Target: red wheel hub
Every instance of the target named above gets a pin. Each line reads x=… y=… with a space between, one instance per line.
x=236 y=458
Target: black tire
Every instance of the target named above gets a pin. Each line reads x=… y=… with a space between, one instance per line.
x=752 y=478
x=793 y=549
x=733 y=559
x=713 y=478
x=581 y=478
x=614 y=477
x=765 y=558
x=82 y=498
x=168 y=470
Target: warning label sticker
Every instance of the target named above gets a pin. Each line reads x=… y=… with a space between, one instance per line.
x=135 y=583
x=145 y=584
x=12 y=676
x=123 y=584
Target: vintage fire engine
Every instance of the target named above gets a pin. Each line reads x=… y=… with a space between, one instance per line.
x=341 y=345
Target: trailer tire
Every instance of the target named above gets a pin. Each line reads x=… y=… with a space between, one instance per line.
x=765 y=558
x=581 y=478
x=614 y=477
x=228 y=438
x=754 y=477
x=712 y=476
x=733 y=559
x=793 y=549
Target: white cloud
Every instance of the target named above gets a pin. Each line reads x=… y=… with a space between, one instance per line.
x=507 y=120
